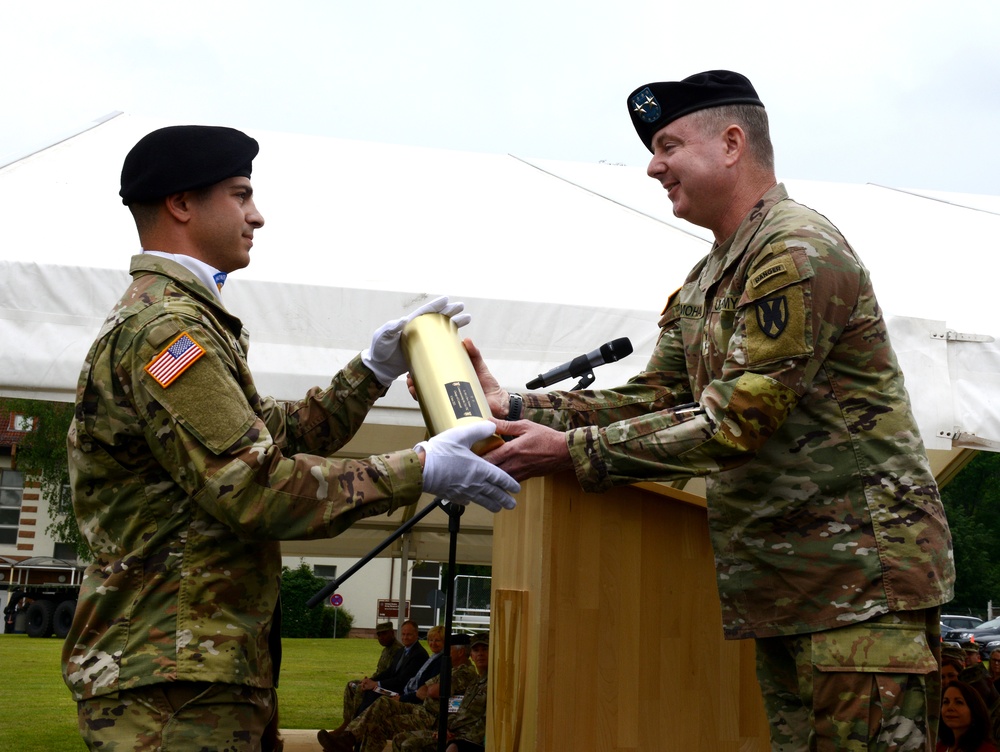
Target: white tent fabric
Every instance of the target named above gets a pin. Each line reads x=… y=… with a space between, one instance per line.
x=552 y=258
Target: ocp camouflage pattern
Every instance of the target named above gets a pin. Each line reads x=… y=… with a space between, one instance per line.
x=386 y=717
x=774 y=377
x=353 y=693
x=468 y=723
x=183 y=492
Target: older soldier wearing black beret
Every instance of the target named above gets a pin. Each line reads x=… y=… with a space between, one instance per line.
x=184 y=478
x=774 y=377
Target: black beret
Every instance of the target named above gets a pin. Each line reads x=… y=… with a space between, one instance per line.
x=460 y=639
x=184 y=158
x=653 y=106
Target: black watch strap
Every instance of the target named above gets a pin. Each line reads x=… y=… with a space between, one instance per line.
x=516 y=408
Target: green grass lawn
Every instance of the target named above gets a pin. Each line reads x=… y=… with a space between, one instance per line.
x=38 y=715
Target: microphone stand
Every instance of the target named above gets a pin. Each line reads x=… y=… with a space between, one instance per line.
x=454 y=512
x=403 y=529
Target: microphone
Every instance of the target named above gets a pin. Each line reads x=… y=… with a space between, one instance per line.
x=581 y=365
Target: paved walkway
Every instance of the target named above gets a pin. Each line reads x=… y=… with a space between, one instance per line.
x=304 y=740
x=300 y=740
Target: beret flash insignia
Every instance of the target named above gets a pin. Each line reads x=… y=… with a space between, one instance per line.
x=645 y=106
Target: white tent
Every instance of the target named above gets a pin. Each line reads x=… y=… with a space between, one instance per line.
x=553 y=259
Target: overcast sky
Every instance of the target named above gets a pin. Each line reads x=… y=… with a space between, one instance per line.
x=905 y=94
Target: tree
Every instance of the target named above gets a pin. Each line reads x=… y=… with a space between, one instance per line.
x=41 y=456
x=297 y=619
x=972 y=503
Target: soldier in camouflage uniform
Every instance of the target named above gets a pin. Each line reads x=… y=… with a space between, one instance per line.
x=469 y=722
x=386 y=635
x=184 y=478
x=390 y=716
x=773 y=376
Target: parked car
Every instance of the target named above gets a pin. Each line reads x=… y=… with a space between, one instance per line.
x=954 y=621
x=986 y=636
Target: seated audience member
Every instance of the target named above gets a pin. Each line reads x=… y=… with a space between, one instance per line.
x=965 y=722
x=408 y=662
x=977 y=676
x=951 y=667
x=385 y=633
x=431 y=667
x=387 y=716
x=466 y=725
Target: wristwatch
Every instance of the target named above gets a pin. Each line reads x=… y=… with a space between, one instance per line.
x=516 y=408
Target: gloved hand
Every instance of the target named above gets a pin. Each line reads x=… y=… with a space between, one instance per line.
x=385 y=356
x=453 y=472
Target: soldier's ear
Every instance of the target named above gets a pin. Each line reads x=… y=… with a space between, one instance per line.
x=179 y=206
x=734 y=143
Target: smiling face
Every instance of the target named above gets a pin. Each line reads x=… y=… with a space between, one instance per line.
x=689 y=161
x=955 y=712
x=408 y=635
x=222 y=223
x=435 y=641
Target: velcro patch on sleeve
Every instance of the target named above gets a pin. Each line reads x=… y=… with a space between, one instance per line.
x=175 y=359
x=776 y=326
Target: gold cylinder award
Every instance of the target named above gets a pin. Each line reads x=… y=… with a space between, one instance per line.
x=448 y=389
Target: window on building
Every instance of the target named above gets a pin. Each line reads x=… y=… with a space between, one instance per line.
x=326 y=571
x=21 y=422
x=64 y=551
x=11 y=489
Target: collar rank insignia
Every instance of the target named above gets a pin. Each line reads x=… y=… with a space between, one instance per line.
x=174 y=360
x=645 y=106
x=772 y=316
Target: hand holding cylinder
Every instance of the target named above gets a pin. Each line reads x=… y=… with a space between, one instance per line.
x=453 y=472
x=385 y=356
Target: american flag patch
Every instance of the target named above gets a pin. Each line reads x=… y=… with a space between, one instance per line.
x=173 y=361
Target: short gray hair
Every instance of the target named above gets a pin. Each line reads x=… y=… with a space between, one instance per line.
x=751 y=118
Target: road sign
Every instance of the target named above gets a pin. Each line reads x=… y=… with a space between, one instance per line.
x=336 y=600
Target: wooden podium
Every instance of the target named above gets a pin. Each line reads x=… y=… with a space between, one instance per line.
x=606 y=633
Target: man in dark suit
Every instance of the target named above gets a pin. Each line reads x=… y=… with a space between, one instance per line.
x=408 y=662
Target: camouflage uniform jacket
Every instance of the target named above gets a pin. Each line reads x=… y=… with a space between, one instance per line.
x=773 y=375
x=462 y=677
x=470 y=720
x=183 y=492
x=387 y=656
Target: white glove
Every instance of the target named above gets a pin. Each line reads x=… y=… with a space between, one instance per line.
x=385 y=356
x=453 y=472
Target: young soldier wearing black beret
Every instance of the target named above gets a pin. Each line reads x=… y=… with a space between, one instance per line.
x=184 y=477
